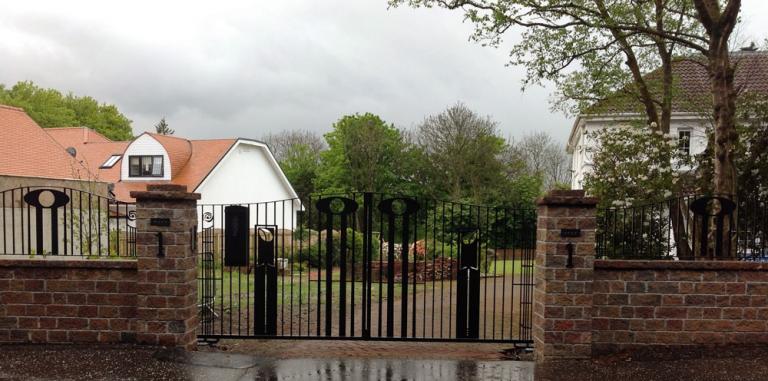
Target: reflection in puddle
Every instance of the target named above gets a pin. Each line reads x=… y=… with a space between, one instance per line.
x=342 y=370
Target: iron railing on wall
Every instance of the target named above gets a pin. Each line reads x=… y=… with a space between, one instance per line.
x=57 y=221
x=364 y=296
x=685 y=227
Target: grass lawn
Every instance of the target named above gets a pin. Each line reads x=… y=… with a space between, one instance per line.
x=505 y=267
x=236 y=290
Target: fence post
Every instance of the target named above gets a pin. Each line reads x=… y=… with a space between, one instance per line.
x=166 y=218
x=565 y=252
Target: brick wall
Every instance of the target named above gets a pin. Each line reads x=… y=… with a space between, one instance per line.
x=597 y=307
x=151 y=299
x=641 y=304
x=67 y=300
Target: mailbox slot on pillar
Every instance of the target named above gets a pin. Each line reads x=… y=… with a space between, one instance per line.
x=236 y=227
x=570 y=233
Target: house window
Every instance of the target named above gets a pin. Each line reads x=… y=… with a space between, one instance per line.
x=111 y=161
x=684 y=142
x=145 y=166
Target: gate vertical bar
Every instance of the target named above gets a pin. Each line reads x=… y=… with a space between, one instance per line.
x=329 y=275
x=391 y=276
x=367 y=261
x=404 y=272
x=343 y=277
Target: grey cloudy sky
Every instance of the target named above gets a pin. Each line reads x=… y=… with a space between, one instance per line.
x=245 y=68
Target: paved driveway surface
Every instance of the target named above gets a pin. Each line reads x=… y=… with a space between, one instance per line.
x=71 y=362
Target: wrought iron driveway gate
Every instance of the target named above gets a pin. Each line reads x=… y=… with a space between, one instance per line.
x=366 y=266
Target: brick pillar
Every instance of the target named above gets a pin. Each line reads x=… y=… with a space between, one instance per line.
x=166 y=287
x=562 y=312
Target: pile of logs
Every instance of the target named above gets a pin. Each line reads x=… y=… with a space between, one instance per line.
x=425 y=271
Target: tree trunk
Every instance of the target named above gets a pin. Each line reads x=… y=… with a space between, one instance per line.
x=723 y=95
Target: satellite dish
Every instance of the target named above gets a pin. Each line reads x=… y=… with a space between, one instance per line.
x=72 y=151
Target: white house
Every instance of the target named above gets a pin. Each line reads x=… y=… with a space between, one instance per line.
x=691 y=110
x=223 y=171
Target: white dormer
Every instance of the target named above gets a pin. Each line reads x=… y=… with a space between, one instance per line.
x=145 y=159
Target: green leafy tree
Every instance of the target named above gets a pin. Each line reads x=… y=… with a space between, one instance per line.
x=463 y=154
x=50 y=108
x=300 y=165
x=750 y=153
x=631 y=168
x=366 y=154
x=614 y=43
x=298 y=153
x=631 y=165
x=162 y=128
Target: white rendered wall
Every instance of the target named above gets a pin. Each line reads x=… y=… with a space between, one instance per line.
x=246 y=175
x=145 y=145
x=581 y=161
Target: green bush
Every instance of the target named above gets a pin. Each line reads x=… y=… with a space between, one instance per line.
x=314 y=254
x=439 y=249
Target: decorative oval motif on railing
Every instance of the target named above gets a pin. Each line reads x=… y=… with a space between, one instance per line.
x=207 y=220
x=399 y=206
x=339 y=206
x=46 y=198
x=714 y=206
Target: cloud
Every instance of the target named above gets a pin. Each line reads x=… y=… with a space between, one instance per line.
x=243 y=68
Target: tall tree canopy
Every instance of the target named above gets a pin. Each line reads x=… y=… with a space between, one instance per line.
x=282 y=143
x=543 y=157
x=51 y=108
x=366 y=154
x=298 y=153
x=463 y=152
x=614 y=43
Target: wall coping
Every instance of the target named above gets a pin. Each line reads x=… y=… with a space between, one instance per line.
x=66 y=262
x=621 y=264
x=164 y=195
x=569 y=198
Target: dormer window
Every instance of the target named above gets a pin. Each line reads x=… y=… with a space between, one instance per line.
x=111 y=161
x=145 y=166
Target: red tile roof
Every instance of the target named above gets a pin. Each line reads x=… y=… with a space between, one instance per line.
x=73 y=136
x=206 y=154
x=191 y=160
x=692 y=91
x=179 y=150
x=92 y=149
x=26 y=150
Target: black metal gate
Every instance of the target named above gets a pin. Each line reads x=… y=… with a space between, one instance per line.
x=366 y=266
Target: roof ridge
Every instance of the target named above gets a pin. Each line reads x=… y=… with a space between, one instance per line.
x=68 y=128
x=212 y=140
x=14 y=108
x=166 y=136
x=74 y=128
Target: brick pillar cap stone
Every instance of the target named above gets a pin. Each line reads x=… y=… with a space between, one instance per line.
x=165 y=192
x=167 y=187
x=576 y=198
